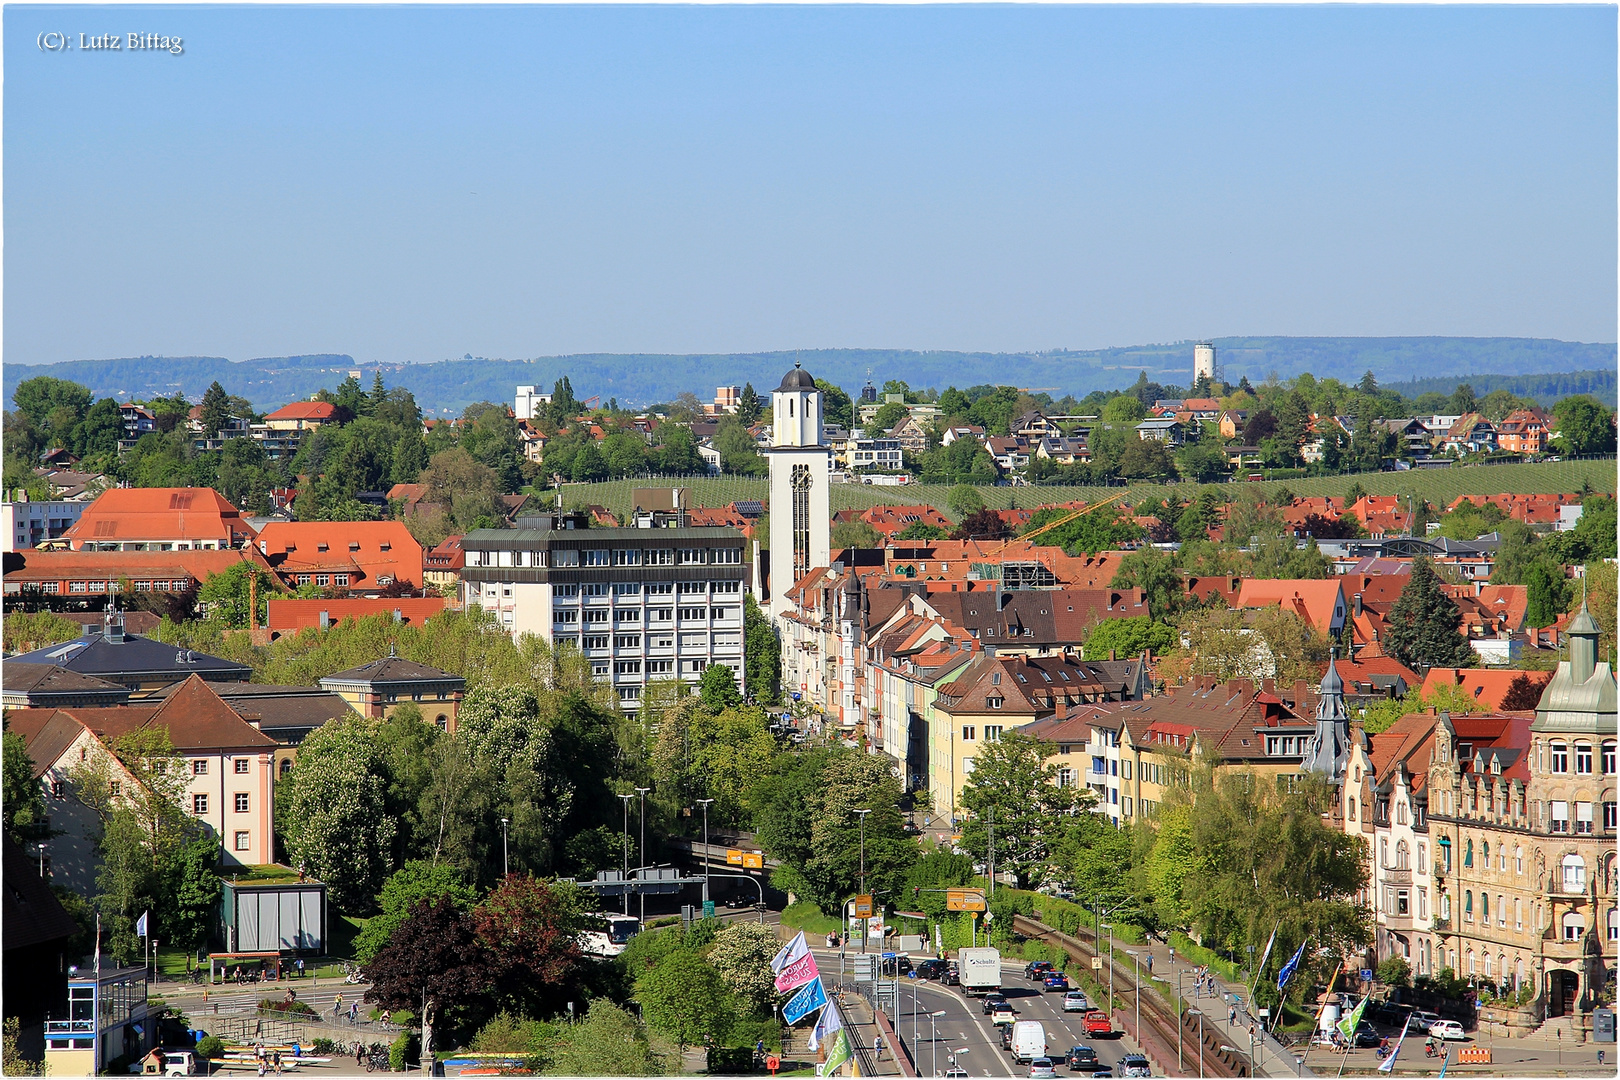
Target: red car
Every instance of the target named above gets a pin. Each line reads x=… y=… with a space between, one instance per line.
x=1097 y=1023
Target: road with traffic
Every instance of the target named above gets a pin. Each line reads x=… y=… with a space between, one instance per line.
x=964 y=1033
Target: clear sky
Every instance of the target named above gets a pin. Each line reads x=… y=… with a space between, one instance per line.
x=414 y=183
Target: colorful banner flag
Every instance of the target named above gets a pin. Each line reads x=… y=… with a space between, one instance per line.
x=790 y=952
x=827 y=1025
x=797 y=974
x=805 y=1002
x=1389 y=1063
x=1287 y=971
x=839 y=1053
x=1348 y=1024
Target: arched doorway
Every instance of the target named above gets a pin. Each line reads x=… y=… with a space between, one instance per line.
x=1563 y=990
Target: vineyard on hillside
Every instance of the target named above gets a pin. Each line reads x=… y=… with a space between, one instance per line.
x=1438 y=486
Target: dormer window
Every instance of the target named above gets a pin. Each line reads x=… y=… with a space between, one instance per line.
x=322 y=547
x=354 y=545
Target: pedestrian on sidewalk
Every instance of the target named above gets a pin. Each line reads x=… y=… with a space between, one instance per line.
x=337 y=1006
x=877 y=1047
x=1150 y=963
x=1231 y=1015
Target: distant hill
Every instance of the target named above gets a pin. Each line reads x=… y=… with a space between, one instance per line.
x=1543 y=389
x=448 y=386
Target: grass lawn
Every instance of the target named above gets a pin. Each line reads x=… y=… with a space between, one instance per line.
x=809 y=918
x=1438 y=486
x=264 y=875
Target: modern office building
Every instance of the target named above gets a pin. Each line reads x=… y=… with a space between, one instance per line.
x=645 y=603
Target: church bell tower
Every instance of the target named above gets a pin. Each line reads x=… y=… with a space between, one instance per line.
x=801 y=516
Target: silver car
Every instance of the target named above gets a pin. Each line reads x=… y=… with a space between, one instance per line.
x=1075 y=1001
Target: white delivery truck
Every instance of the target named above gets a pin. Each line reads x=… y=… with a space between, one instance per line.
x=1028 y=1041
x=979 y=970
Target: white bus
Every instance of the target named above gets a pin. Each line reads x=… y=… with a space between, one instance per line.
x=609 y=934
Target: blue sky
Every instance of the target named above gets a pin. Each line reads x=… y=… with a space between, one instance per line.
x=407 y=184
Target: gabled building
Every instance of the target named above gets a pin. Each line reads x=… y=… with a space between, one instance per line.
x=1165 y=430
x=361 y=556
x=1524 y=431
x=1471 y=433
x=159 y=519
x=1318 y=603
x=301 y=416
x=230 y=792
x=46 y=686
x=379 y=688
x=91 y=576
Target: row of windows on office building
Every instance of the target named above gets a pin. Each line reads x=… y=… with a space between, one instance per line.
x=605 y=557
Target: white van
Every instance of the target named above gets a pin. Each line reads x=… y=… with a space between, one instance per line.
x=1028 y=1041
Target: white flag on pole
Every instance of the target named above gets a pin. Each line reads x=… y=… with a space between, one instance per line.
x=140 y=925
x=792 y=951
x=826 y=1026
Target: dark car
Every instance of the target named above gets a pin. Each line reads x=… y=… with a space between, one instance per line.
x=1006 y=1036
x=951 y=977
x=1037 y=969
x=930 y=969
x=904 y=963
x=1366 y=1035
x=992 y=1000
x=1056 y=981
x=1080 y=1058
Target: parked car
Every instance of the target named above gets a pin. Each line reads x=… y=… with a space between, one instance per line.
x=1367 y=1035
x=1056 y=981
x=1448 y=1029
x=1076 y=1001
x=1037 y=969
x=1420 y=1022
x=1041 y=1069
x=1097 y=1023
x=930 y=969
x=992 y=1000
x=1134 y=1065
x=1080 y=1058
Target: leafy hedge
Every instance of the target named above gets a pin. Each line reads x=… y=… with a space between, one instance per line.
x=806 y=916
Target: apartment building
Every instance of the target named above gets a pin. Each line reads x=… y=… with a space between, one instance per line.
x=26 y=524
x=640 y=603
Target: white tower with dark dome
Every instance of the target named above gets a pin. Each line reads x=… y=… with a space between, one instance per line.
x=801 y=515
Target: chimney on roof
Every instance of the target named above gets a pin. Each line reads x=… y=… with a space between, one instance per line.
x=1241 y=687
x=1268 y=686
x=1111 y=654
x=1302 y=692
x=1357 y=604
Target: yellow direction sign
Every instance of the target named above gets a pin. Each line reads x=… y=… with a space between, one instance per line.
x=964 y=900
x=753 y=860
x=734 y=857
x=863 y=907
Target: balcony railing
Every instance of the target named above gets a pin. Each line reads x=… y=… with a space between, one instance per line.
x=70 y=1027
x=1392 y=876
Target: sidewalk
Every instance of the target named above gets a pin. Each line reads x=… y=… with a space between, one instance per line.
x=1270 y=1057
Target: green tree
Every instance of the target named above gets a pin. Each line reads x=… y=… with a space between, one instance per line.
x=215 y=410
x=226 y=595
x=25 y=814
x=1201 y=461
x=99 y=431
x=1123 y=410
x=1146 y=459
x=1014 y=791
x=1548 y=593
x=718 y=689
x=196 y=891
x=1424 y=623
x=40 y=397
x=1584 y=426
x=889 y=415
x=964 y=500
x=416 y=881
x=921 y=530
x=1257 y=643
x=335 y=816
x=609 y=1041
x=953 y=404
x=410 y=456
x=1155 y=574
x=1126 y=638
x=679 y=453
x=1104 y=529
x=856 y=534
x=749 y=406
x=762 y=664
x=836 y=406
x=685 y=999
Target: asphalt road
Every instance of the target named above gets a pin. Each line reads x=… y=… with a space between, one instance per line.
x=966 y=1031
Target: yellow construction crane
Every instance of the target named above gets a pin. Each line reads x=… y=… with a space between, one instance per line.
x=1057 y=523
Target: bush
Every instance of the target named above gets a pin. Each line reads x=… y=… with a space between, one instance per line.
x=212 y=1046
x=405 y=1051
x=322 y=1047
x=1394 y=972
x=286 y=1008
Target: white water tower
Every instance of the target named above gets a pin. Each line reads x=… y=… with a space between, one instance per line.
x=1203 y=361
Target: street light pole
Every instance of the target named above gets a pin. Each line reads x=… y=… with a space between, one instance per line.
x=1136 y=960
x=933 y=1036
x=506 y=857
x=866 y=923
x=705 y=804
x=641 y=895
x=1200 y=1014
x=1108 y=926
x=626 y=893
x=1179 y=1024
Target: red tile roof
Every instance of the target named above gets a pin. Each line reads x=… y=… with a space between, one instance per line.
x=290 y=615
x=371 y=549
x=1313 y=601
x=304 y=410
x=1488 y=687
x=167 y=515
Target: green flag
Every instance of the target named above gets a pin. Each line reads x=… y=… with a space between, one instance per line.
x=1347 y=1026
x=838 y=1054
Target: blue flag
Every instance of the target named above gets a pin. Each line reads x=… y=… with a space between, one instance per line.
x=805 y=1002
x=1287 y=971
